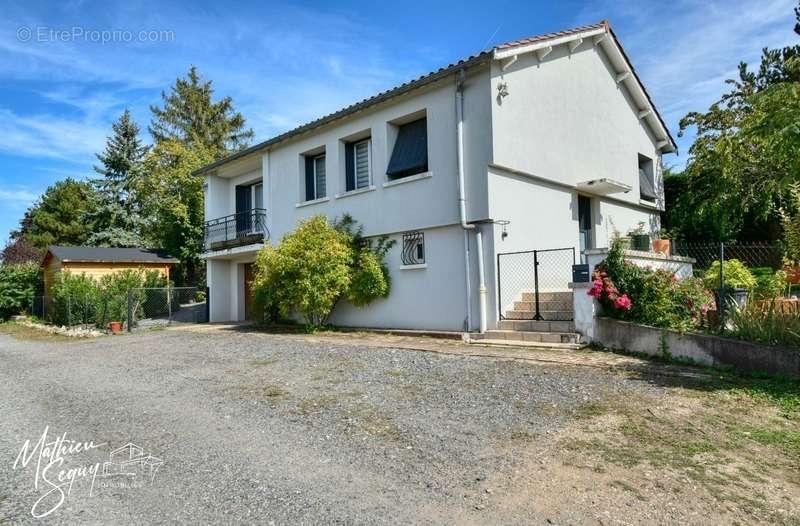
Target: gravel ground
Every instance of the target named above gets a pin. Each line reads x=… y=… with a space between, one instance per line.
x=263 y=429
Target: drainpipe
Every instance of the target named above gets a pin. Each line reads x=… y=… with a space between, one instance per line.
x=462 y=209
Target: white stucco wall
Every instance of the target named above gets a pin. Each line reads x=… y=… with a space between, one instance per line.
x=218 y=277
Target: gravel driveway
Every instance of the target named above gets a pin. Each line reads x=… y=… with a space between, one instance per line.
x=270 y=429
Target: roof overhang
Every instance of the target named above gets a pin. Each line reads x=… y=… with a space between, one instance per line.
x=604 y=38
x=602 y=187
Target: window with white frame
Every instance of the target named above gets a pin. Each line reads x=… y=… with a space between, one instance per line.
x=315 y=180
x=647 y=182
x=413 y=252
x=358 y=164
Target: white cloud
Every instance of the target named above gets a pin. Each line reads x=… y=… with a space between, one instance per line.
x=50 y=136
x=17 y=195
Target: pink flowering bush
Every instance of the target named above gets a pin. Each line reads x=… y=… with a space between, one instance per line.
x=650 y=297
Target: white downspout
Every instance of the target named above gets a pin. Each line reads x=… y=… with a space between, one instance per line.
x=462 y=209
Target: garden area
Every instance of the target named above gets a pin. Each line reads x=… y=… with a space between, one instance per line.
x=751 y=296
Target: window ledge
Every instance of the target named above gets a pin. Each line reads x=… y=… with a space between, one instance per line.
x=358 y=191
x=649 y=204
x=312 y=202
x=414 y=267
x=410 y=178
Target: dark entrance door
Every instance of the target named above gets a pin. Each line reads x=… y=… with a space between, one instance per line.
x=584 y=225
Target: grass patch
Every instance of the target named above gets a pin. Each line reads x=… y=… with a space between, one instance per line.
x=26 y=333
x=259 y=363
x=324 y=402
x=522 y=435
x=370 y=420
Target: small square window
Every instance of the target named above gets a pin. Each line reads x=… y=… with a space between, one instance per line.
x=647 y=184
x=413 y=248
x=410 y=152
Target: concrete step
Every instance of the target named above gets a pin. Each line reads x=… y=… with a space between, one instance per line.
x=536 y=326
x=546 y=314
x=543 y=305
x=565 y=296
x=528 y=336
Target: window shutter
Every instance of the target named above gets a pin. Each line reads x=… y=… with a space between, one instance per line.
x=243 y=204
x=319 y=173
x=309 y=178
x=646 y=187
x=349 y=167
x=410 y=153
x=362 y=164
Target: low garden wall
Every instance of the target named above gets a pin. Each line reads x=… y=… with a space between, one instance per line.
x=701 y=348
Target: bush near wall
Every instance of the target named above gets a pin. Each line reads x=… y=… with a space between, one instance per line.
x=18 y=286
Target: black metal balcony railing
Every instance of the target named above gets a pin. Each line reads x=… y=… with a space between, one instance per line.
x=235 y=230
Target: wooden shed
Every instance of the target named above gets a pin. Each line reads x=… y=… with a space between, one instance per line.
x=96 y=262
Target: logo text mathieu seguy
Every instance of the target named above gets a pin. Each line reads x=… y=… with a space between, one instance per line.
x=58 y=473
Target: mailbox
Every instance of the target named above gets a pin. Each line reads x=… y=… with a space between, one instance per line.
x=580 y=273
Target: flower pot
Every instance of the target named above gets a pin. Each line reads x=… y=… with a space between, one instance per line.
x=793 y=274
x=640 y=242
x=115 y=327
x=661 y=246
x=732 y=296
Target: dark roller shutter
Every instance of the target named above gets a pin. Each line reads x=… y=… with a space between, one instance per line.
x=410 y=153
x=243 y=205
x=349 y=167
x=646 y=187
x=309 y=178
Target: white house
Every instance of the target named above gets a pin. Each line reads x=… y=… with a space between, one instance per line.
x=550 y=142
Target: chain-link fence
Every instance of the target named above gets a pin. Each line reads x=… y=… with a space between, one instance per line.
x=727 y=267
x=145 y=307
x=152 y=307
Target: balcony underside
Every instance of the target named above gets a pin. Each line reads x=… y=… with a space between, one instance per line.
x=248 y=239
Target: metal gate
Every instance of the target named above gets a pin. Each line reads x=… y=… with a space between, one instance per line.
x=153 y=307
x=534 y=284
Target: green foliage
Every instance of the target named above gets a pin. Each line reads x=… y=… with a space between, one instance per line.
x=18 y=286
x=77 y=298
x=316 y=266
x=190 y=117
x=116 y=215
x=770 y=284
x=736 y=275
x=173 y=200
x=774 y=323
x=58 y=217
x=745 y=157
x=308 y=271
x=656 y=298
x=791 y=227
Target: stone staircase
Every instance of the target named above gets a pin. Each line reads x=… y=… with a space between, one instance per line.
x=519 y=327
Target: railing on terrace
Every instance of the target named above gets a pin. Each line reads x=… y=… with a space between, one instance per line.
x=235 y=230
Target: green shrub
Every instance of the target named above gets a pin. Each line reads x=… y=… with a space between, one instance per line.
x=317 y=265
x=18 y=286
x=650 y=297
x=75 y=298
x=770 y=284
x=790 y=221
x=736 y=275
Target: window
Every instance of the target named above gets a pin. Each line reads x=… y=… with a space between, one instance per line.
x=315 y=177
x=413 y=248
x=357 y=164
x=258 y=195
x=410 y=152
x=647 y=184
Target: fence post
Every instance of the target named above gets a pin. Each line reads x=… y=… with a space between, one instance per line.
x=69 y=310
x=537 y=316
x=169 y=304
x=722 y=298
x=130 y=308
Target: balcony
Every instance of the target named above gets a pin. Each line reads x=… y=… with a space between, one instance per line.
x=236 y=230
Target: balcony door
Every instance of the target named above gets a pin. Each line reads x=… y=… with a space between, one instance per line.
x=585 y=237
x=244 y=203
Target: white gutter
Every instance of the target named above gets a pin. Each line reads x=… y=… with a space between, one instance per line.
x=462 y=210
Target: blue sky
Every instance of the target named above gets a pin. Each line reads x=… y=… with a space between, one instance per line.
x=287 y=63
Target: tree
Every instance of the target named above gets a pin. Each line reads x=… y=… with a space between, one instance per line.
x=116 y=216
x=746 y=155
x=58 y=217
x=173 y=199
x=19 y=284
x=19 y=251
x=190 y=116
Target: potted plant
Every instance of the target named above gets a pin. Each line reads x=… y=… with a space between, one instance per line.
x=115 y=327
x=640 y=240
x=661 y=245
